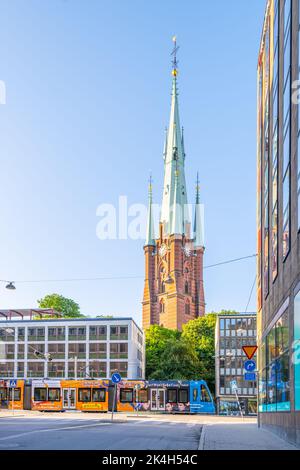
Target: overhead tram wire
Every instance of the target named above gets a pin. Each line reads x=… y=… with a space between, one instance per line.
x=251 y=292
x=108 y=278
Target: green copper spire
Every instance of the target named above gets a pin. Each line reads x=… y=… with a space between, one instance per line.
x=177 y=216
x=174 y=157
x=150 y=236
x=198 y=222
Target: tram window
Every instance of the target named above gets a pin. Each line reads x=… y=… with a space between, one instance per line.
x=3 y=393
x=17 y=394
x=195 y=394
x=183 y=396
x=98 y=394
x=172 y=395
x=126 y=395
x=53 y=394
x=84 y=394
x=204 y=394
x=40 y=394
x=143 y=396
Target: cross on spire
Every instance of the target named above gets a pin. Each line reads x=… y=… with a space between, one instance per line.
x=174 y=54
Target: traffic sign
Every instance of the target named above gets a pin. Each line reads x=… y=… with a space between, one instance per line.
x=251 y=377
x=13 y=383
x=233 y=384
x=116 y=378
x=250 y=366
x=249 y=351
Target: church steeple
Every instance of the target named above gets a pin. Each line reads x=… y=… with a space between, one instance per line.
x=173 y=287
x=174 y=157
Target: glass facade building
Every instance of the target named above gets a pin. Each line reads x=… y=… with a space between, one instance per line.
x=278 y=219
x=81 y=348
x=232 y=333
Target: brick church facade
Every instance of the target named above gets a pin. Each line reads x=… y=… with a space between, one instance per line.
x=173 y=289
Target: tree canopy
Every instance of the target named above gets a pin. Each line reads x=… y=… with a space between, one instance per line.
x=68 y=307
x=171 y=354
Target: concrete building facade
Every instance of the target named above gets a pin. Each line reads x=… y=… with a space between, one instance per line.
x=71 y=348
x=232 y=333
x=278 y=219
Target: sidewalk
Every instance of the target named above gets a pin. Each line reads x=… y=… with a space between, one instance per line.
x=240 y=436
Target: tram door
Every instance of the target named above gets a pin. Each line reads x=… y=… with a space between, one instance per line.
x=158 y=399
x=69 y=398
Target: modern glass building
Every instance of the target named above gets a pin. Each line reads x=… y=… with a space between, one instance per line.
x=232 y=333
x=81 y=348
x=278 y=219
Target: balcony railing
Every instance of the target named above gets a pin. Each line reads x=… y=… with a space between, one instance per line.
x=59 y=373
x=79 y=355
x=57 y=355
x=36 y=338
x=98 y=337
x=118 y=355
x=97 y=374
x=98 y=355
x=76 y=337
x=56 y=338
x=6 y=373
x=31 y=355
x=35 y=373
x=123 y=336
x=7 y=338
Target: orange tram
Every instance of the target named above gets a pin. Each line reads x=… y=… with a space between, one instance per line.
x=91 y=395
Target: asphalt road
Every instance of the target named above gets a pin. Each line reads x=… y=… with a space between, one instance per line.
x=58 y=434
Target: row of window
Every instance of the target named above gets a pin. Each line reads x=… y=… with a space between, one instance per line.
x=58 y=351
x=59 y=333
x=238 y=324
x=58 y=369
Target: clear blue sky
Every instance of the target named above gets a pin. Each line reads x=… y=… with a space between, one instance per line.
x=88 y=95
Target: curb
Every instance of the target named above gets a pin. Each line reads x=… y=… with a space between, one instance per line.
x=202 y=438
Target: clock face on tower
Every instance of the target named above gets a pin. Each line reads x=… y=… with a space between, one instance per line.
x=187 y=250
x=162 y=250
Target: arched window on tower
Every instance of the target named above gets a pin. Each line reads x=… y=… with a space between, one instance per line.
x=162 y=307
x=162 y=287
x=187 y=308
x=186 y=287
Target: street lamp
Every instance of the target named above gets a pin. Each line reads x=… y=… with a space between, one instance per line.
x=10 y=285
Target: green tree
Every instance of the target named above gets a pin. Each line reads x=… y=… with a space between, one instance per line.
x=178 y=361
x=201 y=334
x=157 y=340
x=68 y=307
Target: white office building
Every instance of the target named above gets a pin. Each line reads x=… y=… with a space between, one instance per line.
x=70 y=348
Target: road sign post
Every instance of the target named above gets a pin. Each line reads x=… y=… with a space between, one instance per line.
x=12 y=385
x=234 y=388
x=115 y=378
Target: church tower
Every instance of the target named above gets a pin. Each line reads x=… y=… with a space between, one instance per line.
x=173 y=289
